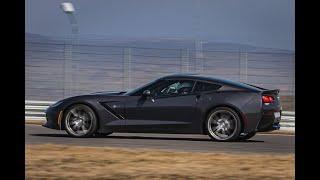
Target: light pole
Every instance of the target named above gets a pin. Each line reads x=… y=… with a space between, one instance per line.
x=68 y=9
x=199 y=55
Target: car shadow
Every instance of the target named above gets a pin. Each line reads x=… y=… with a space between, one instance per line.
x=146 y=137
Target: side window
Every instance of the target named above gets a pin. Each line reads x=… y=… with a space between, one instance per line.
x=173 y=88
x=149 y=86
x=202 y=86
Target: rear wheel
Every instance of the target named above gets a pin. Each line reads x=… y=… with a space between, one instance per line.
x=80 y=121
x=223 y=124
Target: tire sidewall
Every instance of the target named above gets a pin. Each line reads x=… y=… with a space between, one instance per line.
x=235 y=135
x=93 y=127
x=247 y=136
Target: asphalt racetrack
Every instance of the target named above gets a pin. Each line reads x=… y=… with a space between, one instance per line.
x=261 y=143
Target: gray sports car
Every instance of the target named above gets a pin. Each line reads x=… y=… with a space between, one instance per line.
x=189 y=104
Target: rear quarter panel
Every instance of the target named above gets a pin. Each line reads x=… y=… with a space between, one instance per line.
x=246 y=104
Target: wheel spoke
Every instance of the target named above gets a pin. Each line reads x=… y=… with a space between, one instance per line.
x=74 y=113
x=87 y=117
x=72 y=123
x=221 y=131
x=82 y=113
x=84 y=129
x=225 y=116
x=76 y=128
x=215 y=128
x=228 y=132
x=215 y=119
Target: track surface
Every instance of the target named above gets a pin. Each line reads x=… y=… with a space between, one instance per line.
x=271 y=143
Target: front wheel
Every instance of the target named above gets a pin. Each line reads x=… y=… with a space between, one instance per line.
x=80 y=121
x=223 y=124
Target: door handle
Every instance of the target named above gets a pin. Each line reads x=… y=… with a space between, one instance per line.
x=152 y=98
x=197 y=97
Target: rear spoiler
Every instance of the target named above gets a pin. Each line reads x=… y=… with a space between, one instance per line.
x=273 y=91
x=255 y=86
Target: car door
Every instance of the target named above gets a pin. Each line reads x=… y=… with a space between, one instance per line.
x=169 y=108
x=207 y=97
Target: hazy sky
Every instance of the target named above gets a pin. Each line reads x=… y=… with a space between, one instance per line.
x=266 y=23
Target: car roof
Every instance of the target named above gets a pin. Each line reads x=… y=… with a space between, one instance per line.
x=198 y=77
x=213 y=79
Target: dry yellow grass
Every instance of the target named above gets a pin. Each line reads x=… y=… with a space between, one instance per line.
x=75 y=162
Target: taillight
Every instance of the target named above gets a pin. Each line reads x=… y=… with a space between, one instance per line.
x=267 y=99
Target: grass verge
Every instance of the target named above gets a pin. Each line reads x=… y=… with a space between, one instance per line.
x=49 y=161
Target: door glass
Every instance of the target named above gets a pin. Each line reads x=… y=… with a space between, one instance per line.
x=149 y=86
x=202 y=86
x=174 y=88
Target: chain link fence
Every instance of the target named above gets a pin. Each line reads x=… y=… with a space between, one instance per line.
x=59 y=69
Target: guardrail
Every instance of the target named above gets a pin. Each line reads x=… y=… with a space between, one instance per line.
x=34 y=110
x=287 y=121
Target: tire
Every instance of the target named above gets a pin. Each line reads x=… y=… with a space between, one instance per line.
x=247 y=136
x=102 y=134
x=223 y=124
x=80 y=121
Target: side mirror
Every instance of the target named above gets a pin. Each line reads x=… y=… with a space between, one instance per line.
x=146 y=93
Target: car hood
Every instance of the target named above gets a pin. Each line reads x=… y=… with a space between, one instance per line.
x=108 y=93
x=103 y=95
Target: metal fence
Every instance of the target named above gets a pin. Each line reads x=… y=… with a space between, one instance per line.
x=58 y=69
